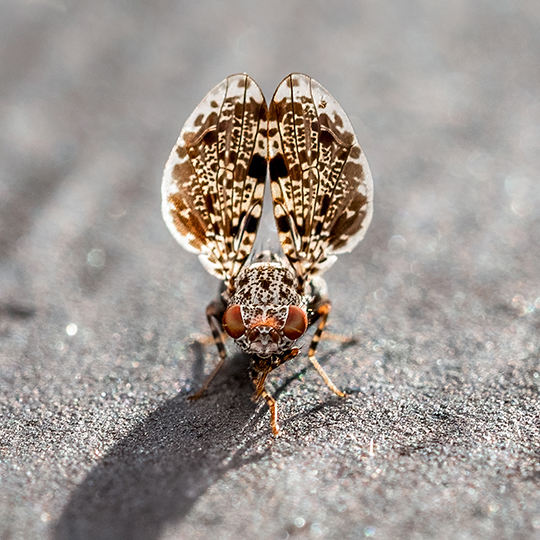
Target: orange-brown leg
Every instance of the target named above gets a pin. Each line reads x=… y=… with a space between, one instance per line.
x=260 y=391
x=321 y=314
x=272 y=404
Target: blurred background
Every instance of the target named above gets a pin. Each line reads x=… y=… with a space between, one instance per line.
x=99 y=305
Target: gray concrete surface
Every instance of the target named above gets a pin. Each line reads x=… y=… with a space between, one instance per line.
x=440 y=436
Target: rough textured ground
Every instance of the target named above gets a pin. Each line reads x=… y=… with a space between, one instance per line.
x=440 y=436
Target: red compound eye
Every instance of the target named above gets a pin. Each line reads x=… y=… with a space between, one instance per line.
x=233 y=323
x=296 y=323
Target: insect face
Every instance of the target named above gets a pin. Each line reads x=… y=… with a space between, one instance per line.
x=266 y=315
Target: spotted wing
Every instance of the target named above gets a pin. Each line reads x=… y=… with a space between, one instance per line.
x=321 y=183
x=214 y=179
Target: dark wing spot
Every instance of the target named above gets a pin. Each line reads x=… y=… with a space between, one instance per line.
x=199 y=120
x=353 y=170
x=239 y=110
x=293 y=81
x=282 y=224
x=182 y=171
x=257 y=167
x=209 y=203
x=357 y=203
x=244 y=82
x=210 y=137
x=278 y=168
x=325 y=137
x=298 y=109
x=181 y=151
x=296 y=172
x=252 y=223
x=344 y=138
x=239 y=172
x=325 y=205
x=278 y=110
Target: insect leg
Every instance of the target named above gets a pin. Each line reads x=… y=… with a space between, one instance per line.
x=272 y=404
x=322 y=311
x=260 y=391
x=214 y=314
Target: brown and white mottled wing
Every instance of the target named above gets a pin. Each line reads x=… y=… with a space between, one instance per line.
x=214 y=179
x=321 y=182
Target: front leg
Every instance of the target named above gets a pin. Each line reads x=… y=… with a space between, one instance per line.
x=260 y=391
x=214 y=315
x=260 y=369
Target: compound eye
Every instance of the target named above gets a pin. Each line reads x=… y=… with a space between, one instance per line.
x=232 y=322
x=296 y=323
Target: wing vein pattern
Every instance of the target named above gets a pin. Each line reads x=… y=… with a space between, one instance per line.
x=321 y=182
x=214 y=180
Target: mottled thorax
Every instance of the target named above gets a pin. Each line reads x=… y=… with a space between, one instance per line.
x=266 y=284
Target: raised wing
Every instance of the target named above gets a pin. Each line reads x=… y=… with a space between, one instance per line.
x=214 y=179
x=321 y=183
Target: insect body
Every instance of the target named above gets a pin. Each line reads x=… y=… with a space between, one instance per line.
x=213 y=191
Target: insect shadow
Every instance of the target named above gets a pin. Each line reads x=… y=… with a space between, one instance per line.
x=155 y=474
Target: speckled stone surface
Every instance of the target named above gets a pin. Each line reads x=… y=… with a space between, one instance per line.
x=100 y=308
